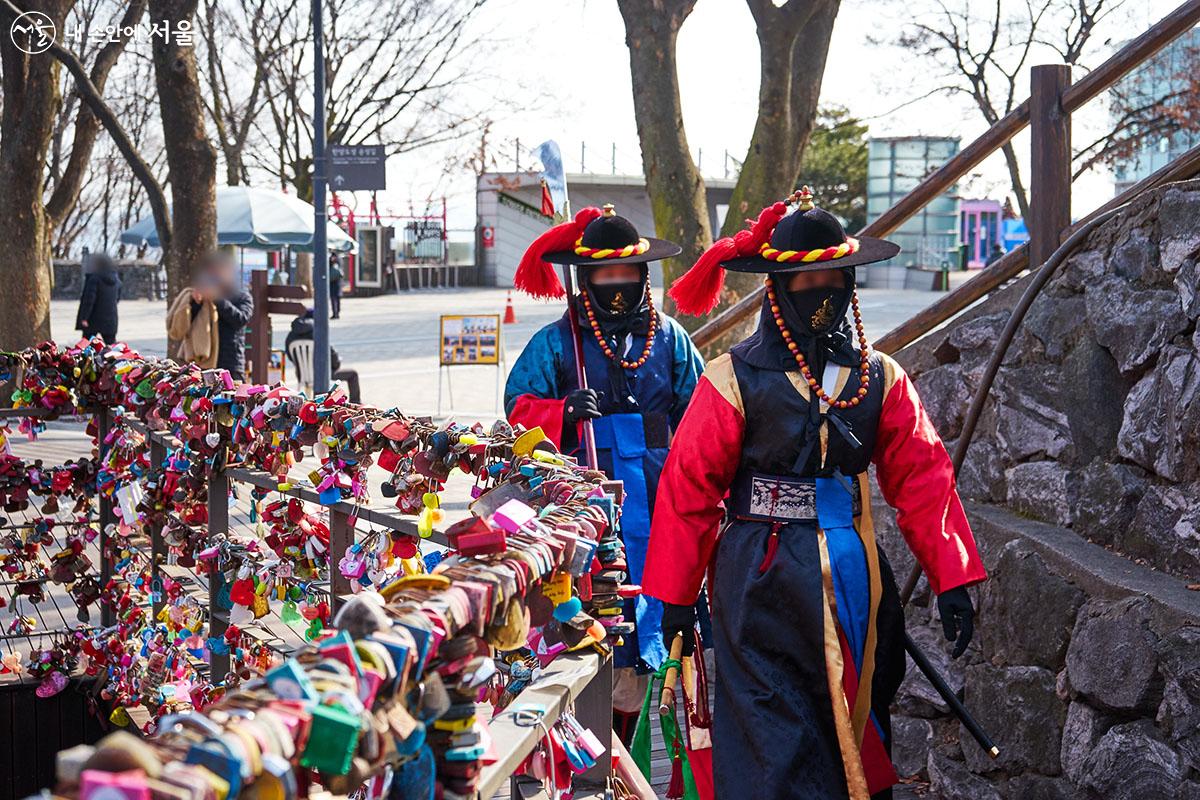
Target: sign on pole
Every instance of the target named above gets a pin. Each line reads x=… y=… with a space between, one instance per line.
x=357 y=167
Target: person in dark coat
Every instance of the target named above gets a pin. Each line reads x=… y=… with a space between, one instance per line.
x=302 y=328
x=98 y=303
x=336 y=276
x=217 y=281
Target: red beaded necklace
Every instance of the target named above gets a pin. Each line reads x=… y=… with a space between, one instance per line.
x=591 y=317
x=864 y=367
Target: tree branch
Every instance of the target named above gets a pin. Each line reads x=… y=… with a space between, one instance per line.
x=91 y=95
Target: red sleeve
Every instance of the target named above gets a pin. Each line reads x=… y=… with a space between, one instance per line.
x=700 y=468
x=916 y=477
x=537 y=412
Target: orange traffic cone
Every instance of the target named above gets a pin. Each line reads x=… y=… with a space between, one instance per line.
x=510 y=316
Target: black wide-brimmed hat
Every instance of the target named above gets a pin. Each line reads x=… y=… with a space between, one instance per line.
x=596 y=237
x=778 y=242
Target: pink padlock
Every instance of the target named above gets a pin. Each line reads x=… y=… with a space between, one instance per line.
x=513 y=515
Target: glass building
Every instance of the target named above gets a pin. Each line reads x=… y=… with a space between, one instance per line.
x=929 y=239
x=1162 y=76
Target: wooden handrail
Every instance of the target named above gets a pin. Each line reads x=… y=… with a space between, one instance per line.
x=1017 y=260
x=1182 y=19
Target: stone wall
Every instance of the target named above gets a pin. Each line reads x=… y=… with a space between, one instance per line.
x=139 y=279
x=1085 y=670
x=1094 y=419
x=1085 y=470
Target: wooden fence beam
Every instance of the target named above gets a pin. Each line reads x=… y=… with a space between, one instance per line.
x=1162 y=33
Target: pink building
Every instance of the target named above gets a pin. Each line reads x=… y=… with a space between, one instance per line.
x=980 y=227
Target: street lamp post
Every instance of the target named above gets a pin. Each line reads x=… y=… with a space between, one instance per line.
x=320 y=255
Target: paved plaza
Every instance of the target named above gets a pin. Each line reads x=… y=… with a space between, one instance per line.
x=392 y=340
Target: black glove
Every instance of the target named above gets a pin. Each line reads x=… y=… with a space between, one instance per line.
x=679 y=619
x=581 y=404
x=958 y=618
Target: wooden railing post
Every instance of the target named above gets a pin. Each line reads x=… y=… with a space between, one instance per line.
x=106 y=517
x=341 y=537
x=218 y=523
x=1050 y=162
x=158 y=547
x=260 y=327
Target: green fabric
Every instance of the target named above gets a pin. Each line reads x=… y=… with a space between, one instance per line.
x=640 y=751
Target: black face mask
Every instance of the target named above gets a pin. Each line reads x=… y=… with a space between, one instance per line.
x=818 y=310
x=618 y=299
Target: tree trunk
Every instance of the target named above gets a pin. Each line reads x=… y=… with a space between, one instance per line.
x=674 y=184
x=793 y=46
x=87 y=124
x=191 y=159
x=31 y=103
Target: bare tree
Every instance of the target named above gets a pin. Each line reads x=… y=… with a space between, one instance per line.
x=1158 y=102
x=396 y=74
x=111 y=187
x=33 y=199
x=986 y=56
x=674 y=183
x=240 y=38
x=793 y=41
x=191 y=159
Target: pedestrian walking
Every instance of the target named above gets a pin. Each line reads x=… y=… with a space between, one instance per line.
x=98 y=302
x=336 y=275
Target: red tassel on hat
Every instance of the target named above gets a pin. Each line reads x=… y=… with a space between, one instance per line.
x=697 y=291
x=536 y=276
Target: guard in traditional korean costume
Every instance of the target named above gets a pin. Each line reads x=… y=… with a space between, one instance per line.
x=766 y=490
x=641 y=369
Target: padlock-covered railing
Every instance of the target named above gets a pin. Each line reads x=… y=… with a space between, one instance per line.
x=541 y=532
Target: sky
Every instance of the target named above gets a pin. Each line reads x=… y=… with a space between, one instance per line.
x=560 y=70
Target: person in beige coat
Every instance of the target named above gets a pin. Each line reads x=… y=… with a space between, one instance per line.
x=210 y=318
x=197 y=332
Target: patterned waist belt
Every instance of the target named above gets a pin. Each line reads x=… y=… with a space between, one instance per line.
x=779 y=498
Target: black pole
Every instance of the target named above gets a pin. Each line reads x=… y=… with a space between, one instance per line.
x=589 y=437
x=939 y=683
x=320 y=269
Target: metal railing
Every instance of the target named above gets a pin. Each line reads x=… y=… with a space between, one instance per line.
x=582 y=682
